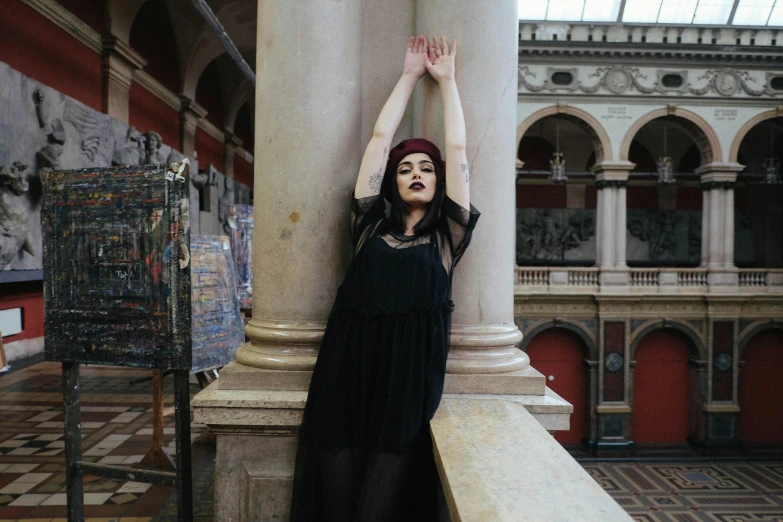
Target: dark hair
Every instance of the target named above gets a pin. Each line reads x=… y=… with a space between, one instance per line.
x=399 y=208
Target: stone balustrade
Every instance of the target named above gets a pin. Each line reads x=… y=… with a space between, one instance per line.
x=498 y=463
x=656 y=280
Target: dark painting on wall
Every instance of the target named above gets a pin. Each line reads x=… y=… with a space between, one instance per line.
x=117 y=266
x=218 y=329
x=240 y=222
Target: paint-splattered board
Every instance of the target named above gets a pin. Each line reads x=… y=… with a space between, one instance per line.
x=240 y=221
x=116 y=271
x=217 y=324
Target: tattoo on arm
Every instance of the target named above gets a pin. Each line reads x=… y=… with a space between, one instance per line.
x=376 y=179
x=465 y=170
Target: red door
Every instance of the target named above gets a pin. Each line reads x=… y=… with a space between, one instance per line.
x=761 y=394
x=559 y=356
x=660 y=389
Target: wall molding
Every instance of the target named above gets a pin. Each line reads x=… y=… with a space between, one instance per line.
x=69 y=22
x=156 y=88
x=245 y=154
x=212 y=129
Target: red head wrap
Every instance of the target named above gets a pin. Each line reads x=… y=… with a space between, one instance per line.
x=396 y=155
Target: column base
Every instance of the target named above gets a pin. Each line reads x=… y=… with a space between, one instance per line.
x=723 y=279
x=614 y=280
x=237 y=376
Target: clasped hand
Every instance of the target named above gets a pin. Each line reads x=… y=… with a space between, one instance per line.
x=435 y=57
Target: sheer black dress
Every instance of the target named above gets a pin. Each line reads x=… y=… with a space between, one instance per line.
x=364 y=447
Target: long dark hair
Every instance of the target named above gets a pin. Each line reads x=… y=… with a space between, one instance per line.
x=399 y=209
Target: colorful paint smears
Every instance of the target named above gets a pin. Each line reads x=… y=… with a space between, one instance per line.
x=116 y=266
x=240 y=221
x=218 y=329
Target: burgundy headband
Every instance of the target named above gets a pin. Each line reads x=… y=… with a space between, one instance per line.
x=396 y=155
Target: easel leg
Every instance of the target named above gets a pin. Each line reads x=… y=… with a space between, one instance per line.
x=184 y=470
x=156 y=457
x=73 y=441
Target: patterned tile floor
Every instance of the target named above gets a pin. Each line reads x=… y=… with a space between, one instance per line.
x=117 y=427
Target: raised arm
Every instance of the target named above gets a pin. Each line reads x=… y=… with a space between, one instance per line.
x=441 y=67
x=377 y=152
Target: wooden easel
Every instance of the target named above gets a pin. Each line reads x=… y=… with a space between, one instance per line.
x=76 y=468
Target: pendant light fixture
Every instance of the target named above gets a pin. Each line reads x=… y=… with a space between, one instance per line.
x=664 y=163
x=771 y=164
x=557 y=163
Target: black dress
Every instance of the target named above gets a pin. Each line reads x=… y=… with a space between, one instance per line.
x=364 y=449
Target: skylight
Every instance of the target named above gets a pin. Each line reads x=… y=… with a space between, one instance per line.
x=700 y=12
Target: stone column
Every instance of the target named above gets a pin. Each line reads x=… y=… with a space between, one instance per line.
x=611 y=181
x=308 y=119
x=189 y=115
x=230 y=145
x=705 y=228
x=119 y=62
x=483 y=333
x=717 y=181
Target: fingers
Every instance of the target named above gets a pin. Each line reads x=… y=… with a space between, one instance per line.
x=453 y=51
x=444 y=47
x=410 y=44
x=436 y=46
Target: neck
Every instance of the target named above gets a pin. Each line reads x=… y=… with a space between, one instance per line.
x=413 y=216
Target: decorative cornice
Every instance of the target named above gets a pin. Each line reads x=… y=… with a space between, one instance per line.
x=212 y=129
x=244 y=154
x=156 y=88
x=115 y=47
x=611 y=183
x=69 y=22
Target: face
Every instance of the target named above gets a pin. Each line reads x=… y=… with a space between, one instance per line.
x=416 y=179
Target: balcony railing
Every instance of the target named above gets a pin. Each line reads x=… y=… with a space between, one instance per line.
x=657 y=280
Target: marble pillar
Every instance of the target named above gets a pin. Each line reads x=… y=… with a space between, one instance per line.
x=308 y=122
x=189 y=115
x=483 y=334
x=119 y=61
x=230 y=145
x=611 y=181
x=717 y=180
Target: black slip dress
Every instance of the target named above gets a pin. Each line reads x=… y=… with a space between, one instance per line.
x=364 y=451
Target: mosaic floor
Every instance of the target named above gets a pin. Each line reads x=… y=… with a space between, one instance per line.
x=117 y=427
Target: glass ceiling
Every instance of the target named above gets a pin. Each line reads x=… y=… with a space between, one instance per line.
x=699 y=12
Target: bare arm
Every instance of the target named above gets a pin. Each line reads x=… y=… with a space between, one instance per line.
x=457 y=172
x=377 y=152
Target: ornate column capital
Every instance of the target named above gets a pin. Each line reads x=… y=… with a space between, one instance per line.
x=119 y=62
x=232 y=141
x=612 y=171
x=114 y=47
x=611 y=183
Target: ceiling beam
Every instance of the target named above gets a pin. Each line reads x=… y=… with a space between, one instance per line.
x=733 y=12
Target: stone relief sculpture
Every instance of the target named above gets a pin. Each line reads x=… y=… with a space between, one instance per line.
x=133 y=153
x=621 y=80
x=14 y=213
x=154 y=156
x=664 y=236
x=48 y=156
x=41 y=128
x=227 y=198
x=549 y=235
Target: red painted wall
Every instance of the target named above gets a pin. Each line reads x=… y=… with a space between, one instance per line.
x=38 y=48
x=28 y=297
x=147 y=112
x=210 y=151
x=541 y=196
x=560 y=353
x=642 y=197
x=243 y=171
x=761 y=393
x=660 y=388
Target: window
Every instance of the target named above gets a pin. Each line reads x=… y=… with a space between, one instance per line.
x=562 y=78
x=672 y=80
x=776 y=83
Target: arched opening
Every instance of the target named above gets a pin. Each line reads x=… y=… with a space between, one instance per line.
x=661 y=388
x=161 y=51
x=209 y=95
x=244 y=129
x=758 y=205
x=761 y=396
x=664 y=219
x=556 y=220
x=559 y=355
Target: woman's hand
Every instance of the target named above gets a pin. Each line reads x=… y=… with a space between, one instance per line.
x=441 y=59
x=416 y=57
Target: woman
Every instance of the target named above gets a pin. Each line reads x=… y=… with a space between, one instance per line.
x=364 y=447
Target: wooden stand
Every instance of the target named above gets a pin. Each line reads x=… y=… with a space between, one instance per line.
x=76 y=468
x=156 y=457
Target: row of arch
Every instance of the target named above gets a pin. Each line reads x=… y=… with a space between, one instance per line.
x=702 y=132
x=664 y=378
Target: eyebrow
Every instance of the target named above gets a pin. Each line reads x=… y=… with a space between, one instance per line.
x=411 y=163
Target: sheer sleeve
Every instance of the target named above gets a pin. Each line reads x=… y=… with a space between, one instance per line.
x=366 y=214
x=457 y=224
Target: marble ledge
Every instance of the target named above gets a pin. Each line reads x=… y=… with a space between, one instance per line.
x=497 y=463
x=273 y=408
